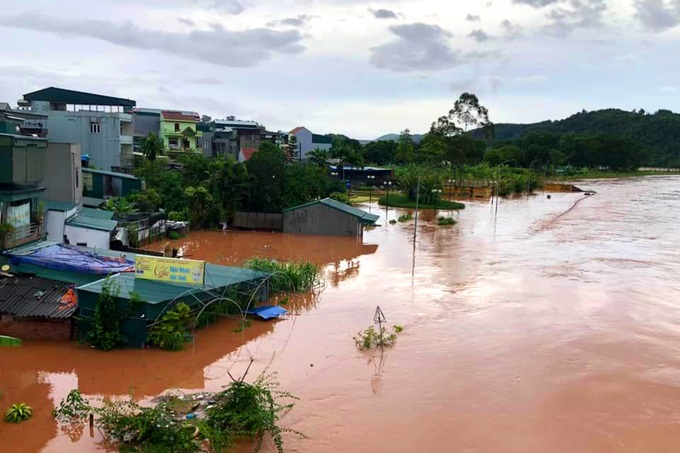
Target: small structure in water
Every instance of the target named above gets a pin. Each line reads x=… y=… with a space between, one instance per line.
x=143 y=299
x=267 y=312
x=327 y=217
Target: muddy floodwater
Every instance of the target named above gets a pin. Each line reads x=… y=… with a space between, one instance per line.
x=545 y=325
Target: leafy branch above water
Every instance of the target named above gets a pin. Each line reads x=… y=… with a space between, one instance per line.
x=189 y=423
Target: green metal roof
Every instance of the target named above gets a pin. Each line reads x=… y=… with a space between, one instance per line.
x=364 y=216
x=154 y=292
x=108 y=173
x=93 y=223
x=61 y=206
x=96 y=213
x=316 y=138
x=62 y=96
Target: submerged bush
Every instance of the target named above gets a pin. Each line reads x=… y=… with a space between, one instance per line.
x=242 y=411
x=443 y=221
x=405 y=218
x=18 y=413
x=372 y=338
x=172 y=331
x=288 y=276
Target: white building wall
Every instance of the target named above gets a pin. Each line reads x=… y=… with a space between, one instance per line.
x=305 y=145
x=54 y=225
x=90 y=238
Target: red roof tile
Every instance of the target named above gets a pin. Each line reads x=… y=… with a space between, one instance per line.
x=297 y=129
x=179 y=116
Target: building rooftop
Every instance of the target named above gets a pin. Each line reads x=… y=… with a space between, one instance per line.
x=237 y=124
x=297 y=129
x=216 y=277
x=60 y=206
x=81 y=220
x=97 y=213
x=29 y=297
x=108 y=173
x=175 y=115
x=63 y=96
x=364 y=216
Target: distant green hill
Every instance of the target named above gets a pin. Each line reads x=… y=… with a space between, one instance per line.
x=659 y=133
x=395 y=138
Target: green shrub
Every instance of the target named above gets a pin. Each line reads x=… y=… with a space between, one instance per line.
x=370 y=338
x=405 y=218
x=105 y=328
x=174 y=235
x=443 y=221
x=172 y=332
x=288 y=276
x=177 y=216
x=18 y=413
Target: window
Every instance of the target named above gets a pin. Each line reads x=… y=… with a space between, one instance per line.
x=87 y=181
x=95 y=127
x=173 y=143
x=176 y=127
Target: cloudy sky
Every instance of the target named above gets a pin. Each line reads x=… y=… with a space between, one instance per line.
x=363 y=68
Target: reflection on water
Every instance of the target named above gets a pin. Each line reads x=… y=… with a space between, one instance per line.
x=528 y=328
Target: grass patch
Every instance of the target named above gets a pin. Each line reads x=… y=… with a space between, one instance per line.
x=402 y=201
x=405 y=218
x=443 y=221
x=288 y=276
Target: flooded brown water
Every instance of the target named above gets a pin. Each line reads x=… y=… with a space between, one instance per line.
x=525 y=331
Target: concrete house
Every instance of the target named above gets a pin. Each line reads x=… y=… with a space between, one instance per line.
x=102 y=125
x=308 y=141
x=179 y=132
x=22 y=172
x=145 y=121
x=327 y=217
x=98 y=185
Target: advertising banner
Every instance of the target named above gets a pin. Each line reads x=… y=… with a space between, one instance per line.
x=170 y=270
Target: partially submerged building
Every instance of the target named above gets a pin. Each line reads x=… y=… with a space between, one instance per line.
x=327 y=217
x=143 y=301
x=36 y=308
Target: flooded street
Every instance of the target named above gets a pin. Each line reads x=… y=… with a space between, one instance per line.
x=530 y=328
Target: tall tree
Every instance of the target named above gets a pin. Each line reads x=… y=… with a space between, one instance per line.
x=405 y=148
x=151 y=147
x=318 y=157
x=267 y=167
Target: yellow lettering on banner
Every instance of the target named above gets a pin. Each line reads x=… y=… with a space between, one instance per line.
x=170 y=270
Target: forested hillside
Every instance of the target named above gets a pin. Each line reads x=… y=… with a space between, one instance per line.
x=657 y=134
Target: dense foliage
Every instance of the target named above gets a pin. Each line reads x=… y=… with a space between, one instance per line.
x=105 y=328
x=18 y=413
x=173 y=330
x=242 y=411
x=288 y=276
x=658 y=134
x=208 y=190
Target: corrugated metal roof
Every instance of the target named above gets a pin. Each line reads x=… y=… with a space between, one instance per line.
x=83 y=221
x=155 y=292
x=180 y=116
x=97 y=213
x=364 y=216
x=108 y=173
x=61 y=206
x=28 y=297
x=63 y=96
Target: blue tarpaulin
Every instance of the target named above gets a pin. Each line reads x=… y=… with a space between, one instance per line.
x=64 y=258
x=268 y=311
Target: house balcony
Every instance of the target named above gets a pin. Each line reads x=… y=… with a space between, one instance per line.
x=126 y=140
x=22 y=235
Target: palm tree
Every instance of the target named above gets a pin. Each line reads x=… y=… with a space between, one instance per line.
x=152 y=146
x=318 y=157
